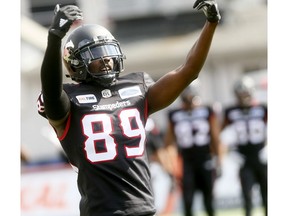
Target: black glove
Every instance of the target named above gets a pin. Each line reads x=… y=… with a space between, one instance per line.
x=209 y=8
x=63 y=18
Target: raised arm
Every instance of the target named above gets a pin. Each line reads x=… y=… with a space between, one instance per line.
x=168 y=87
x=56 y=101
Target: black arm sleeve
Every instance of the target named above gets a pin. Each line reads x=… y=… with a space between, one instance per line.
x=56 y=101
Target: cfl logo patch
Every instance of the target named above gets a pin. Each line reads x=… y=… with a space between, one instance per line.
x=106 y=93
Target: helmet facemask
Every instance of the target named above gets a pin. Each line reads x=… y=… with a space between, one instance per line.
x=100 y=51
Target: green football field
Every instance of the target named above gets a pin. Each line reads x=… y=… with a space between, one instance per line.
x=229 y=212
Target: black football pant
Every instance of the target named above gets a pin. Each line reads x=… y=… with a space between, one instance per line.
x=193 y=179
x=249 y=175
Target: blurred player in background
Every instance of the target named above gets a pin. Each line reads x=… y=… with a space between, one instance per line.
x=194 y=129
x=158 y=156
x=245 y=131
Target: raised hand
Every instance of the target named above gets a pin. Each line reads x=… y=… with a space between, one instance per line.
x=210 y=9
x=63 y=18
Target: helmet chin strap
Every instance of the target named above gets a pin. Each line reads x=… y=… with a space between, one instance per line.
x=106 y=79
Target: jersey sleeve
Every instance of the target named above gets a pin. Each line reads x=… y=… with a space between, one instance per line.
x=148 y=81
x=40 y=106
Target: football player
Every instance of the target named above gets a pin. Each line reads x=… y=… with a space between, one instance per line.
x=246 y=121
x=157 y=156
x=100 y=120
x=194 y=129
